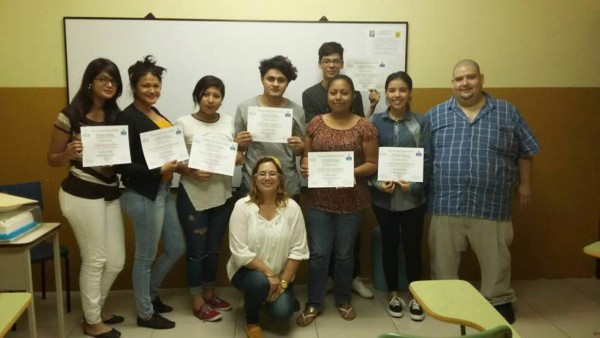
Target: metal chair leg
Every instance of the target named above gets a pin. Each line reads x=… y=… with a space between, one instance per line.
x=43 y=280
x=68 y=283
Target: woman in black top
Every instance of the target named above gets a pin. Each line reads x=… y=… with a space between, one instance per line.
x=147 y=198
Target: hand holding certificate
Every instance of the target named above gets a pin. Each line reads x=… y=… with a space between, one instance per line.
x=163 y=145
x=214 y=155
x=105 y=145
x=270 y=124
x=334 y=169
x=399 y=163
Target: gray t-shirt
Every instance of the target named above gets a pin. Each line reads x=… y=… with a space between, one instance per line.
x=258 y=150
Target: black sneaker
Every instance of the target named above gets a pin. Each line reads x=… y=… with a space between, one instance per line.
x=396 y=307
x=157 y=322
x=506 y=311
x=416 y=313
x=160 y=307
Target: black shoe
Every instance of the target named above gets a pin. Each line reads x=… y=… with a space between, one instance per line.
x=110 y=334
x=160 y=307
x=156 y=322
x=115 y=319
x=506 y=311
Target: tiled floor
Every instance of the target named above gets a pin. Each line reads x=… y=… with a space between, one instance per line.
x=545 y=308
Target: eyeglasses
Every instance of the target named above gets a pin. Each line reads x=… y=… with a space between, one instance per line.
x=335 y=62
x=105 y=80
x=265 y=174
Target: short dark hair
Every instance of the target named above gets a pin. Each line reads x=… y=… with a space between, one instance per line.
x=400 y=75
x=142 y=68
x=206 y=82
x=329 y=48
x=282 y=64
x=344 y=78
x=349 y=81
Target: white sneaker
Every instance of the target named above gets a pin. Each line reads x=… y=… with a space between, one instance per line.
x=329 y=285
x=416 y=313
x=396 y=307
x=361 y=289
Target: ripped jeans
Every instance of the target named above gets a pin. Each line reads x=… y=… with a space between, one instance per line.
x=203 y=231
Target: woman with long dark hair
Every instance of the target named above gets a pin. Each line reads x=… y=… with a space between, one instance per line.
x=89 y=197
x=399 y=206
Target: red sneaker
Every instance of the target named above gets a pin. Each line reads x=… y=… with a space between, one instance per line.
x=207 y=314
x=218 y=304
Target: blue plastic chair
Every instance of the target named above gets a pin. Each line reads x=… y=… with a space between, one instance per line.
x=42 y=252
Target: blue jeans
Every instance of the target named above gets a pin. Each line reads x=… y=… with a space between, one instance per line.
x=203 y=231
x=331 y=232
x=255 y=286
x=152 y=221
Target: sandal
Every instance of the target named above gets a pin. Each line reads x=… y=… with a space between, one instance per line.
x=346 y=311
x=307 y=316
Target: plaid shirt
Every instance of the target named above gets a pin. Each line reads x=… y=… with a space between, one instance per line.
x=474 y=166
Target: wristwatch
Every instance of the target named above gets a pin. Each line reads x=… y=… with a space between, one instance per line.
x=283 y=284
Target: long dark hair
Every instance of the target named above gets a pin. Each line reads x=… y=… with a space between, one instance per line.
x=400 y=75
x=84 y=100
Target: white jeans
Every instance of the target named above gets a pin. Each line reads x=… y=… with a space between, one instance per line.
x=98 y=228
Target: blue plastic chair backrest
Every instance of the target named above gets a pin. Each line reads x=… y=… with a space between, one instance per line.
x=31 y=190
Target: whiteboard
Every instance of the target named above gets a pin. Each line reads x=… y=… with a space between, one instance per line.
x=230 y=50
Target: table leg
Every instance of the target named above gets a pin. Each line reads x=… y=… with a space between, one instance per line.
x=59 y=293
x=29 y=288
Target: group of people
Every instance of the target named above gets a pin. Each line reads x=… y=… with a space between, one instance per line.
x=478 y=152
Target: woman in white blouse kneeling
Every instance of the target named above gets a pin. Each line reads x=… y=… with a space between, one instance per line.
x=267 y=239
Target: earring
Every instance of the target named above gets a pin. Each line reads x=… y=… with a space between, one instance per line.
x=90 y=86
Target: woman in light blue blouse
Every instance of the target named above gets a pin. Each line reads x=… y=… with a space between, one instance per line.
x=399 y=206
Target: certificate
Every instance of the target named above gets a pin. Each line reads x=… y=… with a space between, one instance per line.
x=270 y=124
x=398 y=163
x=214 y=155
x=105 y=145
x=163 y=145
x=333 y=169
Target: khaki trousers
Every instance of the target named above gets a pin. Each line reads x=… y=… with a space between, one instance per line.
x=449 y=236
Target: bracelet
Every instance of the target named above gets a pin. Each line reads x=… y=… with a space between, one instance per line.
x=270 y=276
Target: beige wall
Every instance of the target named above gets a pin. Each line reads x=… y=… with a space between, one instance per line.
x=548 y=46
x=533 y=43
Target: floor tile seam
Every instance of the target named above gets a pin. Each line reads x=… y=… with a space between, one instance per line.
x=543 y=316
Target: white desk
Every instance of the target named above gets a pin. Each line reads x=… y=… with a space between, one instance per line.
x=15 y=264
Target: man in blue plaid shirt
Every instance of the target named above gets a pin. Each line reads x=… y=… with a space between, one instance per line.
x=481 y=154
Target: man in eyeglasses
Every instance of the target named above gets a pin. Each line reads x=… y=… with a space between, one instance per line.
x=331 y=62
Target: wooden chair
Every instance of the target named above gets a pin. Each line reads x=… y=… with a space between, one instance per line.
x=42 y=252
